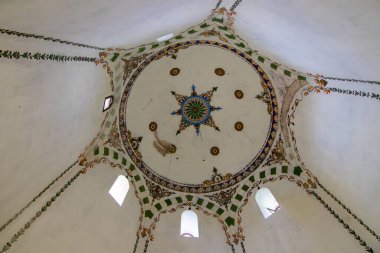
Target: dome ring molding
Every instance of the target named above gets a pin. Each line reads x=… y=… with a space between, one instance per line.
x=200 y=188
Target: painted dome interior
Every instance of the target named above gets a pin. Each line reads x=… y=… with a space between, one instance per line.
x=150 y=100
x=245 y=95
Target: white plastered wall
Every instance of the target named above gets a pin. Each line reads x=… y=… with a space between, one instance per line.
x=85 y=219
x=49 y=112
x=337 y=138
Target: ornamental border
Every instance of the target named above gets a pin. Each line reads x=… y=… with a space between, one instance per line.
x=372 y=232
x=37 y=196
x=42 y=37
x=199 y=188
x=9 y=54
x=42 y=210
x=344 y=224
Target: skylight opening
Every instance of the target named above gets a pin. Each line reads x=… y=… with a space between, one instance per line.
x=165 y=37
x=189 y=224
x=266 y=202
x=108 y=101
x=119 y=189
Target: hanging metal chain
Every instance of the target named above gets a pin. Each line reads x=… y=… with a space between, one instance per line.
x=350 y=80
x=236 y=3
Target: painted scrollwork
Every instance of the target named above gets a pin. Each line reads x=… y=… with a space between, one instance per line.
x=157 y=192
x=131 y=64
x=216 y=178
x=278 y=154
x=213 y=32
x=265 y=97
x=135 y=143
x=223 y=198
x=114 y=138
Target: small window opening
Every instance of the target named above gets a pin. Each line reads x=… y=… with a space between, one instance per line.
x=189 y=224
x=165 y=37
x=119 y=189
x=108 y=101
x=266 y=202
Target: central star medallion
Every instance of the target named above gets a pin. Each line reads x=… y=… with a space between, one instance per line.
x=196 y=110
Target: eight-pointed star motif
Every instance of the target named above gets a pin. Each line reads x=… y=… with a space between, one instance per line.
x=196 y=110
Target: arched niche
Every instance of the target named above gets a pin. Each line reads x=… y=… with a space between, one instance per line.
x=267 y=202
x=167 y=235
x=189 y=224
x=119 y=189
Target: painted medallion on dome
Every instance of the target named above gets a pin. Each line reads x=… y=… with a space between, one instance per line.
x=195 y=110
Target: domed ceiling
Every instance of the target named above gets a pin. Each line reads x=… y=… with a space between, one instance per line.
x=197 y=113
x=202 y=121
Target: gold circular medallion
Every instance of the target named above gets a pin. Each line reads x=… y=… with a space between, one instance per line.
x=214 y=151
x=172 y=149
x=174 y=71
x=239 y=94
x=152 y=126
x=239 y=126
x=219 y=71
